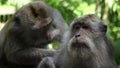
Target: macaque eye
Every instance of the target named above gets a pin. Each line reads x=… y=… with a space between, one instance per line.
x=77 y=26
x=85 y=27
x=104 y=28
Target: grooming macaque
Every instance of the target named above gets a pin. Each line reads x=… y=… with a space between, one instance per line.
x=85 y=46
x=24 y=38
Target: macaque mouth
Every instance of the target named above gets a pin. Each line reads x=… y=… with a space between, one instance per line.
x=79 y=46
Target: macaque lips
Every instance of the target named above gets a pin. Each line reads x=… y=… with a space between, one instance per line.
x=78 y=46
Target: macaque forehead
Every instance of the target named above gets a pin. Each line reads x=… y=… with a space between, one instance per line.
x=33 y=11
x=93 y=18
x=90 y=19
x=36 y=7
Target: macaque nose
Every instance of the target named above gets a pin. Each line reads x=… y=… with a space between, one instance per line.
x=78 y=35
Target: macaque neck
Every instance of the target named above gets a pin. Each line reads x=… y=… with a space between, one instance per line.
x=77 y=63
x=72 y=62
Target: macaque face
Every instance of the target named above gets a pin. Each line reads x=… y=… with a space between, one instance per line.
x=36 y=30
x=35 y=23
x=84 y=33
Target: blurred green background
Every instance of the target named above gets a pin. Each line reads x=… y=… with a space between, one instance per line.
x=107 y=10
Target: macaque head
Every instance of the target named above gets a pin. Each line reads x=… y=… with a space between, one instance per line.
x=35 y=23
x=85 y=36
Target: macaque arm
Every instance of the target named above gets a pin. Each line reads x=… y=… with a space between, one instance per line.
x=47 y=62
x=28 y=55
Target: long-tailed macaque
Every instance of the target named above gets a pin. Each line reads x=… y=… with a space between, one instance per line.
x=85 y=46
x=24 y=38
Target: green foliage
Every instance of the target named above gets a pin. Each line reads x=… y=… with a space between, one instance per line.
x=3 y=2
x=117 y=52
x=71 y=9
x=14 y=3
x=109 y=11
x=115 y=19
x=64 y=7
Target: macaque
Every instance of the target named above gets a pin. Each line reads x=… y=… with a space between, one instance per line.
x=24 y=38
x=86 y=45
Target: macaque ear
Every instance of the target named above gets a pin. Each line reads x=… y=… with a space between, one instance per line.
x=104 y=28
